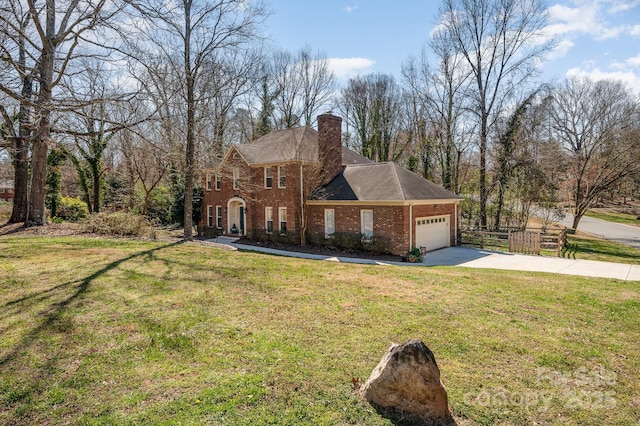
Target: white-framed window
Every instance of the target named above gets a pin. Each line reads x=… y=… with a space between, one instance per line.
x=218 y=182
x=268 y=219
x=209 y=216
x=329 y=222
x=219 y=217
x=366 y=223
x=282 y=215
x=268 y=177
x=282 y=177
x=236 y=178
x=208 y=182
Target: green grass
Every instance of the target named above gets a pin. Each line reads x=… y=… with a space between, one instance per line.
x=605 y=214
x=100 y=331
x=589 y=248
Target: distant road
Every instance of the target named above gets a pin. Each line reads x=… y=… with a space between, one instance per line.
x=619 y=232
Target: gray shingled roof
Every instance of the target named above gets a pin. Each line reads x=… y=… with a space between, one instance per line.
x=352 y=157
x=382 y=182
x=299 y=144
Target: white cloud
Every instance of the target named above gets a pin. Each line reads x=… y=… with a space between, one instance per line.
x=350 y=9
x=586 y=18
x=623 y=5
x=632 y=62
x=345 y=68
x=629 y=77
x=635 y=30
x=561 y=49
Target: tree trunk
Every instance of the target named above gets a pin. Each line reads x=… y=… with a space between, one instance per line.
x=36 y=215
x=483 y=172
x=21 y=161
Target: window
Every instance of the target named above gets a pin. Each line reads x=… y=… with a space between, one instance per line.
x=219 y=216
x=366 y=223
x=209 y=216
x=208 y=180
x=329 y=222
x=268 y=218
x=282 y=213
x=268 y=179
x=236 y=178
x=218 y=182
x=282 y=177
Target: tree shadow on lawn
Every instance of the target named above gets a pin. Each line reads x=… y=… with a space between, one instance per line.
x=53 y=321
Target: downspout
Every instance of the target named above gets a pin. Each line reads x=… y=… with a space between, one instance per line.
x=302 y=221
x=455 y=221
x=410 y=226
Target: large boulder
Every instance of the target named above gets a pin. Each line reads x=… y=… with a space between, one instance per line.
x=407 y=382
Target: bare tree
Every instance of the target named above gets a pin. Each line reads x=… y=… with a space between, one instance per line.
x=50 y=35
x=97 y=109
x=187 y=35
x=303 y=83
x=438 y=106
x=22 y=84
x=501 y=42
x=371 y=106
x=597 y=125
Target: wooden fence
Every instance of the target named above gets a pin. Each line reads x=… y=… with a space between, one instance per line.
x=529 y=241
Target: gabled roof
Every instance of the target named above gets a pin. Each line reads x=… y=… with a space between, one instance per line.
x=382 y=182
x=299 y=144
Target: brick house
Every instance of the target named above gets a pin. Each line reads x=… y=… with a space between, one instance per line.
x=6 y=191
x=303 y=185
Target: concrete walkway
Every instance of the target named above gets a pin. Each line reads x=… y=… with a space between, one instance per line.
x=475 y=258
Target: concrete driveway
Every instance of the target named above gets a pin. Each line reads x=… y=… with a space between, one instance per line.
x=476 y=258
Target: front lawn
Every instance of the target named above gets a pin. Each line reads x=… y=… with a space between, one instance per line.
x=105 y=331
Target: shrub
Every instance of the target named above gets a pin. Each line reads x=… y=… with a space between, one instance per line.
x=347 y=241
x=121 y=224
x=211 y=231
x=356 y=242
x=72 y=209
x=276 y=237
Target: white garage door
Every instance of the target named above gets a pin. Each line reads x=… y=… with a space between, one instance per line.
x=432 y=232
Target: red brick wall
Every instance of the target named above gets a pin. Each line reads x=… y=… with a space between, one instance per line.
x=256 y=196
x=330 y=145
x=6 y=194
x=389 y=222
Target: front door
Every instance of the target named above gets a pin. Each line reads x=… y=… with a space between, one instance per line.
x=236 y=220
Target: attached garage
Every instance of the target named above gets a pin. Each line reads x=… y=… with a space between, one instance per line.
x=433 y=232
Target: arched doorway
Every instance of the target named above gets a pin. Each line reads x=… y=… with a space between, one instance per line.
x=236 y=216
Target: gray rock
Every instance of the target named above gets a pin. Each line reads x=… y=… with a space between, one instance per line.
x=407 y=382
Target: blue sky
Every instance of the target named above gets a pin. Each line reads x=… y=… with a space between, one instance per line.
x=597 y=38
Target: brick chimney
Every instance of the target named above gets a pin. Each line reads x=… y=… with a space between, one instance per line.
x=330 y=145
